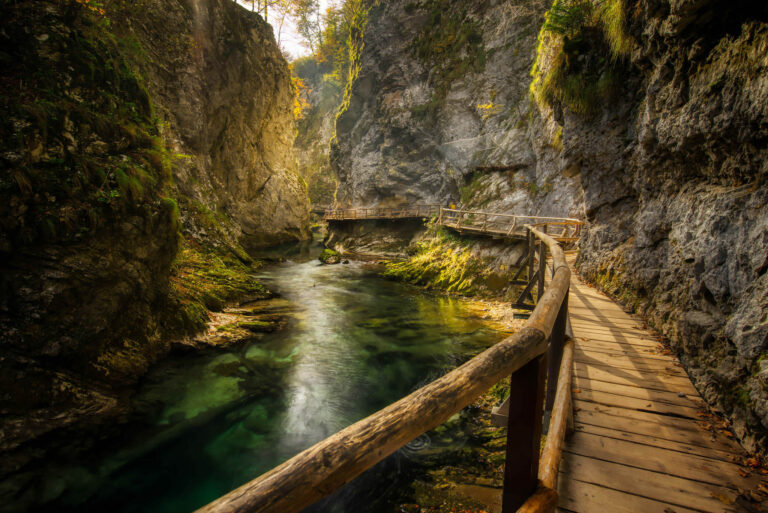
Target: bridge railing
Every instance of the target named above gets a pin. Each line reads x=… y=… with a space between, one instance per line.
x=404 y=212
x=563 y=229
x=529 y=483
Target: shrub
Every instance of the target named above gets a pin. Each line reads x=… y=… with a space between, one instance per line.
x=579 y=61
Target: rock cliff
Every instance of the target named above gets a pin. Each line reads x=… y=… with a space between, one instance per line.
x=439 y=112
x=649 y=120
x=129 y=130
x=673 y=171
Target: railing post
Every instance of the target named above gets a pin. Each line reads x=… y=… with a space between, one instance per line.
x=526 y=394
x=542 y=270
x=556 y=343
x=531 y=254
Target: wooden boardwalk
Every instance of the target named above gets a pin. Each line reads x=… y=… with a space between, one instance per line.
x=639 y=443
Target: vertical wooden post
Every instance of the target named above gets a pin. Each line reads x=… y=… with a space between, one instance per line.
x=531 y=254
x=542 y=270
x=556 y=343
x=526 y=396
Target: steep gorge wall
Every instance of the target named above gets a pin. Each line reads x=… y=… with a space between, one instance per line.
x=438 y=112
x=664 y=157
x=129 y=130
x=673 y=172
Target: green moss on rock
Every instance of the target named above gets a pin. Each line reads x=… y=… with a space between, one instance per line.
x=446 y=262
x=330 y=256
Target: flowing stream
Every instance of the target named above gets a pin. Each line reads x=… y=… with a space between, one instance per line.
x=207 y=422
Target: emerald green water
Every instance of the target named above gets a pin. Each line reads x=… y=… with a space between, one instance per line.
x=207 y=422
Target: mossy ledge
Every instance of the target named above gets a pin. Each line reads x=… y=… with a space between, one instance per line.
x=443 y=261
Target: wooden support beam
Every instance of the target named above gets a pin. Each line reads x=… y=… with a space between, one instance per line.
x=558 y=422
x=544 y=500
x=523 y=434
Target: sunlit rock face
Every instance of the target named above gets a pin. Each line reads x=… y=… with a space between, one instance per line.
x=673 y=174
x=439 y=112
x=217 y=71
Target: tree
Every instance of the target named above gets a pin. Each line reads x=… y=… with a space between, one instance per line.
x=308 y=22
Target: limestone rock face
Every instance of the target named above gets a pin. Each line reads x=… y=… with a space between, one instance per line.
x=669 y=174
x=217 y=72
x=90 y=222
x=673 y=178
x=439 y=112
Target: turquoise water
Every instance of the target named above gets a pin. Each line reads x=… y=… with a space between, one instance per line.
x=207 y=422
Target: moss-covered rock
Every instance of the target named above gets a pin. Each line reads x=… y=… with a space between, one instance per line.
x=124 y=137
x=329 y=256
x=443 y=261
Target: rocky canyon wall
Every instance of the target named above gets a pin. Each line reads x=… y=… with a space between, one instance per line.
x=653 y=128
x=438 y=111
x=673 y=171
x=129 y=130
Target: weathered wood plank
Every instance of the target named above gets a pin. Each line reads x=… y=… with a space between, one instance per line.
x=673 y=463
x=666 y=428
x=645 y=351
x=688 y=400
x=654 y=441
x=634 y=377
x=651 y=485
x=633 y=403
x=584 y=497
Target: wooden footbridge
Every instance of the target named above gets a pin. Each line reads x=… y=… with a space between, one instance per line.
x=627 y=431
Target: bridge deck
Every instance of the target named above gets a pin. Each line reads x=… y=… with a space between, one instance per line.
x=640 y=443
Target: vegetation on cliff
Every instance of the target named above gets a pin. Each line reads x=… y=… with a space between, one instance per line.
x=327 y=73
x=580 y=56
x=82 y=143
x=110 y=246
x=443 y=261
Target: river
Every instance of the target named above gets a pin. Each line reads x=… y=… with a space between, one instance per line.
x=208 y=421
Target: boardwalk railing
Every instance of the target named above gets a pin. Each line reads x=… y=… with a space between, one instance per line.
x=561 y=229
x=412 y=212
x=525 y=356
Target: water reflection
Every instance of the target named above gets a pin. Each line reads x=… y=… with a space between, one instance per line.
x=207 y=423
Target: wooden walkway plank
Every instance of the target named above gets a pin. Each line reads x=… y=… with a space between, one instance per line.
x=688 y=400
x=651 y=485
x=578 y=496
x=634 y=403
x=640 y=443
x=651 y=426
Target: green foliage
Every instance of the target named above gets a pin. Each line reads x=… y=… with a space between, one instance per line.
x=441 y=262
x=579 y=60
x=330 y=256
x=328 y=74
x=206 y=278
x=471 y=188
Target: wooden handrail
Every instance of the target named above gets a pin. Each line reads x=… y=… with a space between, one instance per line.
x=558 y=423
x=325 y=467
